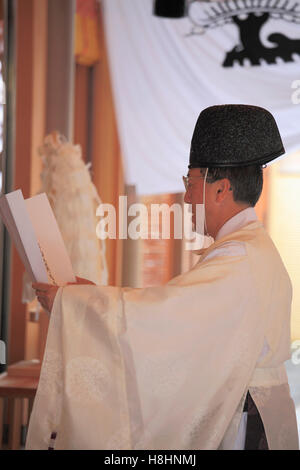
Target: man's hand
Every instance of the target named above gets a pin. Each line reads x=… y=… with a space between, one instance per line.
x=46 y=292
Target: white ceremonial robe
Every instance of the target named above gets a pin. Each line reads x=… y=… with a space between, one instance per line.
x=169 y=367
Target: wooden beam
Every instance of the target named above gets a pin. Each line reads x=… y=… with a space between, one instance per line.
x=31 y=46
x=107 y=167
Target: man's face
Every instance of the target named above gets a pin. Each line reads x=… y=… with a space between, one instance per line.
x=218 y=199
x=194 y=191
x=219 y=203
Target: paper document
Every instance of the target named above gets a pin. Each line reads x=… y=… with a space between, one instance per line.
x=36 y=235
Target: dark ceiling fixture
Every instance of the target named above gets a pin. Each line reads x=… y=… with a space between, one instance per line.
x=169 y=8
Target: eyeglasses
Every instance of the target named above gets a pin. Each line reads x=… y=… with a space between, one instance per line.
x=187 y=179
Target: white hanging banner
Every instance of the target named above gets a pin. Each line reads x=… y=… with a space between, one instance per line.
x=166 y=71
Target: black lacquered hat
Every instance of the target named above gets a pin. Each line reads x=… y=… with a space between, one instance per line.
x=234 y=135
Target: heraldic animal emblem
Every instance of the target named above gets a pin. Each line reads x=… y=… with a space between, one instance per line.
x=249 y=16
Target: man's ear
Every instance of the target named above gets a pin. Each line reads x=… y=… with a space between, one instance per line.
x=223 y=183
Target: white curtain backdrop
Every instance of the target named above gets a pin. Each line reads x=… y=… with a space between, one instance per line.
x=163 y=77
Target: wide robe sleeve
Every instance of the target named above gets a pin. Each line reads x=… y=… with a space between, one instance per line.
x=153 y=368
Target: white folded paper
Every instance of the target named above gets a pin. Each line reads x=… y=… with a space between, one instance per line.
x=36 y=235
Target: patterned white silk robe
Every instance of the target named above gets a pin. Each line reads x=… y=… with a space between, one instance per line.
x=169 y=367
